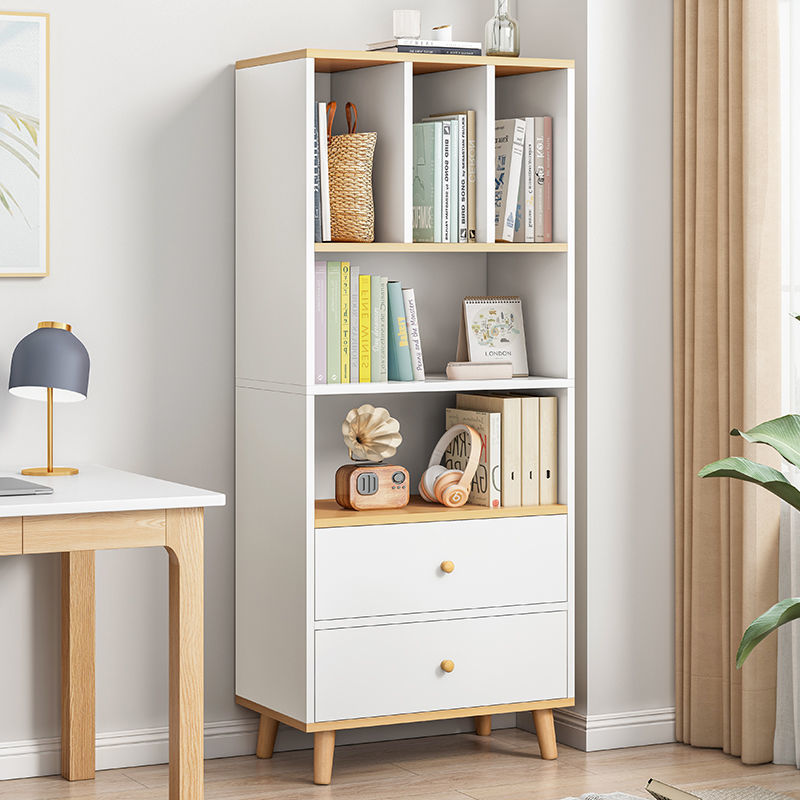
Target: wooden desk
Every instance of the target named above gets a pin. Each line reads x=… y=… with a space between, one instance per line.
x=104 y=509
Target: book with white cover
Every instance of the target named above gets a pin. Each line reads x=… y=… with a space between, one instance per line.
x=414 y=337
x=431 y=43
x=485 y=488
x=509 y=138
x=447 y=170
x=523 y=227
x=492 y=329
x=461 y=169
x=325 y=192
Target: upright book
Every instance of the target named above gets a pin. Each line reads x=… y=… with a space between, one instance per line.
x=320 y=326
x=379 y=331
x=414 y=335
x=333 y=304
x=427 y=182
x=524 y=225
x=344 y=340
x=509 y=137
x=355 y=275
x=538 y=157
x=364 y=328
x=510 y=438
x=548 y=179
x=325 y=194
x=399 y=351
x=447 y=167
x=486 y=486
x=317 y=184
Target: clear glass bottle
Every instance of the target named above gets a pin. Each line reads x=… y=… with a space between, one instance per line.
x=501 y=36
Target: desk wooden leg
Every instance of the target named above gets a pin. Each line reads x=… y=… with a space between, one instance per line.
x=545 y=733
x=185 y=548
x=77 y=665
x=324 y=743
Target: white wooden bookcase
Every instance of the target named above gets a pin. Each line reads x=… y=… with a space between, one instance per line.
x=343 y=618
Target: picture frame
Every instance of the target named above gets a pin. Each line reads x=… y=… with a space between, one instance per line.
x=24 y=145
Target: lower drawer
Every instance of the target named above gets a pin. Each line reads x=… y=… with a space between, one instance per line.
x=397 y=669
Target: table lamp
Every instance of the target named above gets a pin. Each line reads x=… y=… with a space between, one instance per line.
x=50 y=364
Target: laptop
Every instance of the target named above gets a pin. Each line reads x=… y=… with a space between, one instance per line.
x=10 y=487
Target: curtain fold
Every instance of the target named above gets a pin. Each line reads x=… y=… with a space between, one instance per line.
x=726 y=295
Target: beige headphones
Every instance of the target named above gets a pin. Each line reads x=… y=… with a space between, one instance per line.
x=450 y=487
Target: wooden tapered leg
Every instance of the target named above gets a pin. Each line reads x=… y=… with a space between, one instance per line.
x=545 y=733
x=324 y=742
x=77 y=665
x=184 y=543
x=483 y=725
x=267 y=731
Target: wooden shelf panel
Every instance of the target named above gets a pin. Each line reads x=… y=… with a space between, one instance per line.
x=440 y=247
x=440 y=383
x=328 y=514
x=341 y=60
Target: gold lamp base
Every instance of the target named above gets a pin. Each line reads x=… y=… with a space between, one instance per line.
x=44 y=471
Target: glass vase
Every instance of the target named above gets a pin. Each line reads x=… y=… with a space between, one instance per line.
x=501 y=36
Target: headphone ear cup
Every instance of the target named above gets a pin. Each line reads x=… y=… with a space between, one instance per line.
x=454 y=496
x=428 y=480
x=446 y=479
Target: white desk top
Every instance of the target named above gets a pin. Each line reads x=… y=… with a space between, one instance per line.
x=97 y=488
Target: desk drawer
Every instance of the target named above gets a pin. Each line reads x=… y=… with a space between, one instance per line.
x=376 y=570
x=396 y=669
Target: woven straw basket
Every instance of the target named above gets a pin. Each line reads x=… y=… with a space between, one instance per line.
x=350 y=177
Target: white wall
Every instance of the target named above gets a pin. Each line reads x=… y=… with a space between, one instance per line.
x=625 y=578
x=142 y=266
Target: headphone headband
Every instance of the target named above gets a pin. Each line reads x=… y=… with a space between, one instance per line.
x=474 y=451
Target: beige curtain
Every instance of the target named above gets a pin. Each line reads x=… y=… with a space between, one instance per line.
x=726 y=252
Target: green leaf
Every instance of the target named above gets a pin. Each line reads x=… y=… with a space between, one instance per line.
x=8 y=199
x=746 y=470
x=20 y=141
x=781 y=613
x=782 y=434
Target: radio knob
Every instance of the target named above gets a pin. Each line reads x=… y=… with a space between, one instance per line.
x=447 y=566
x=447 y=665
x=399 y=477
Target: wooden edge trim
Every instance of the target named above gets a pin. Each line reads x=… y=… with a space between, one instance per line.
x=396 y=719
x=375 y=58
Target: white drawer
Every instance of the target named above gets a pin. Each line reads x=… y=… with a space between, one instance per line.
x=375 y=570
x=396 y=669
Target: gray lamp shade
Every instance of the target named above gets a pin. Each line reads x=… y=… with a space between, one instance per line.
x=50 y=357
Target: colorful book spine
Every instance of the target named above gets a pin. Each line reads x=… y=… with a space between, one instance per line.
x=523 y=227
x=485 y=489
x=462 y=177
x=548 y=179
x=538 y=200
x=344 y=299
x=364 y=329
x=414 y=336
x=446 y=179
x=399 y=352
x=355 y=273
x=380 y=366
x=320 y=330
x=333 y=323
x=424 y=173
x=317 y=184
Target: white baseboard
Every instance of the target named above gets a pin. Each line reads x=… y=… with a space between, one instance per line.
x=37 y=757
x=610 y=731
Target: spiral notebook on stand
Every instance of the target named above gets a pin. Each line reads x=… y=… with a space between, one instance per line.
x=492 y=329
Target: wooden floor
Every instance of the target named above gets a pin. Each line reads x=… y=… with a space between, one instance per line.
x=504 y=767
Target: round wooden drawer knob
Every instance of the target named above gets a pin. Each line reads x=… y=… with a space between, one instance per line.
x=447 y=665
x=447 y=566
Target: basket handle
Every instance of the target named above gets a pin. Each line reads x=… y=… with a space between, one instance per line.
x=331 y=112
x=351 y=110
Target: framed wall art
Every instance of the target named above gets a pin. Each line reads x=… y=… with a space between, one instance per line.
x=24 y=144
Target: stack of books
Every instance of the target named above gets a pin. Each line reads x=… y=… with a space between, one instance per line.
x=366 y=327
x=444 y=199
x=519 y=448
x=524 y=179
x=427 y=46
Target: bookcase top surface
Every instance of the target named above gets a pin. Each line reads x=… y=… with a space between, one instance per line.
x=341 y=60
